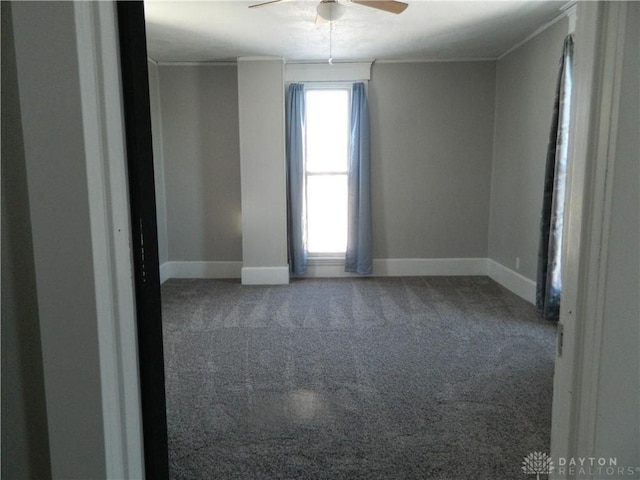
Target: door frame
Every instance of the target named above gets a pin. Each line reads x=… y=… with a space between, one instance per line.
x=142 y=201
x=598 y=58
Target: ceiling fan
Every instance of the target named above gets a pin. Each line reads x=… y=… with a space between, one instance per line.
x=330 y=10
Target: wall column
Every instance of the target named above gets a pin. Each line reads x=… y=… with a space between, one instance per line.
x=263 y=176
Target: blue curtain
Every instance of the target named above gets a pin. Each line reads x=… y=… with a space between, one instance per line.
x=359 y=256
x=549 y=281
x=296 y=197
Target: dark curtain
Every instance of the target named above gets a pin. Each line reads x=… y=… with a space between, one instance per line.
x=549 y=281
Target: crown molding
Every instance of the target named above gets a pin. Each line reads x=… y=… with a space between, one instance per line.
x=265 y=58
x=567 y=10
x=197 y=64
x=437 y=60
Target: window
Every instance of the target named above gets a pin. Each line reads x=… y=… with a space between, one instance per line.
x=326 y=161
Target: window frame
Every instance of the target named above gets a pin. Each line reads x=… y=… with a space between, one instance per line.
x=326 y=257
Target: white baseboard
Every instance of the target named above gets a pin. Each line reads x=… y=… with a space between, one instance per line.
x=513 y=281
x=265 y=275
x=165 y=272
x=227 y=269
x=387 y=267
x=403 y=267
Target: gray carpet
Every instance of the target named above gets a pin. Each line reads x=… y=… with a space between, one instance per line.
x=372 y=378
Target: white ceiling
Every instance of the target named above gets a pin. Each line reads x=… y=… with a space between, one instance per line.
x=206 y=31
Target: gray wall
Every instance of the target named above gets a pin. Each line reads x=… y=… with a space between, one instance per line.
x=618 y=426
x=432 y=128
x=431 y=142
x=54 y=152
x=525 y=92
x=25 y=447
x=158 y=161
x=199 y=115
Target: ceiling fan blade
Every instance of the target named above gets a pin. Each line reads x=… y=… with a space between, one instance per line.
x=386 y=5
x=272 y=2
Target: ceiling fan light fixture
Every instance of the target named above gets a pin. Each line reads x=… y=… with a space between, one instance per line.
x=330 y=10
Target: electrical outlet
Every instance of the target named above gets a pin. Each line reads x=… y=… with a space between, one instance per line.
x=517 y=263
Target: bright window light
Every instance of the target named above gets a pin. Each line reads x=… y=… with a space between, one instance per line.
x=327 y=143
x=327 y=213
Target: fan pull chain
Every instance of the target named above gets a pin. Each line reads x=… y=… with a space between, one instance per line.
x=330 y=42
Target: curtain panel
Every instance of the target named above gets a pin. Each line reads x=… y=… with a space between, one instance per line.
x=359 y=255
x=549 y=281
x=296 y=196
